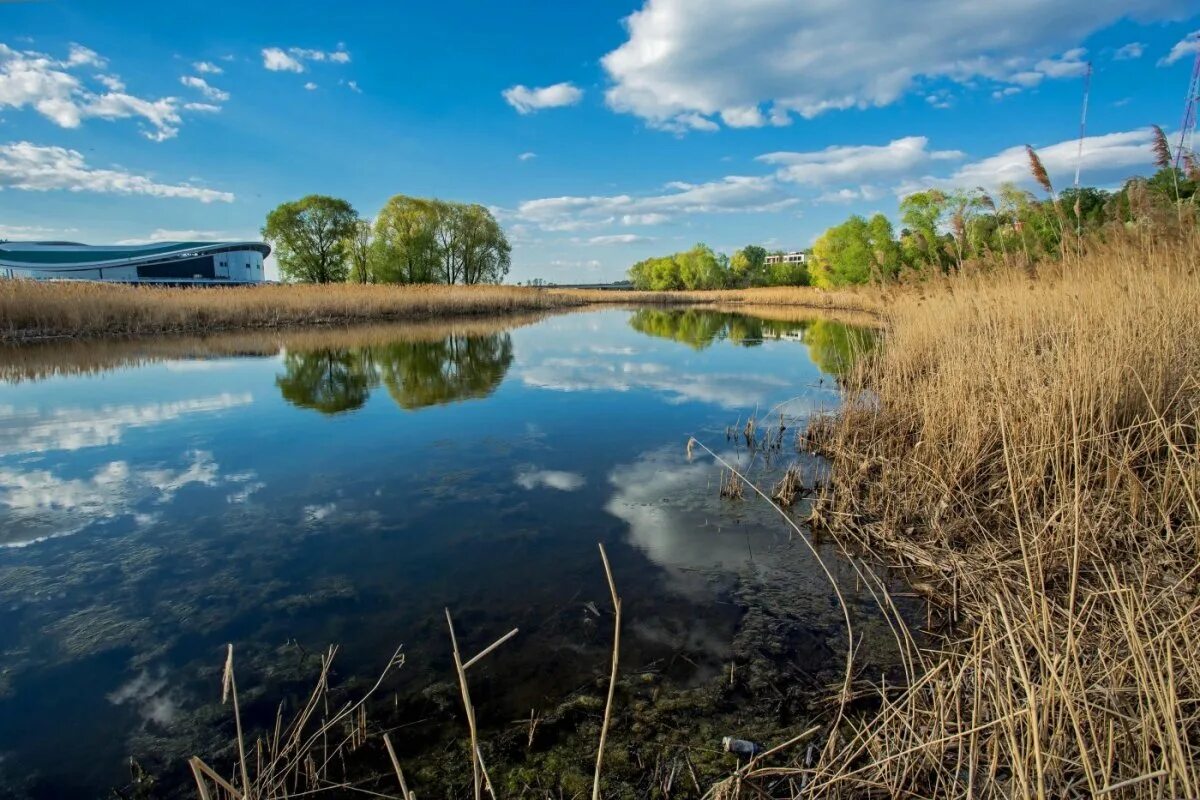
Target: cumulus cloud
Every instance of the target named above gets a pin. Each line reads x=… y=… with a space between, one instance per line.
x=731 y=194
x=277 y=59
x=618 y=238
x=1107 y=157
x=51 y=87
x=1130 y=51
x=1184 y=48
x=527 y=156
x=202 y=86
x=685 y=65
x=310 y=86
x=527 y=100
x=840 y=164
x=39 y=168
x=207 y=68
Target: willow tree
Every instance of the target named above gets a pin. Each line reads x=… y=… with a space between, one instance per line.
x=405 y=241
x=432 y=241
x=308 y=236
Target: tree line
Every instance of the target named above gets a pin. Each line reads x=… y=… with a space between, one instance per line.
x=702 y=268
x=321 y=239
x=945 y=229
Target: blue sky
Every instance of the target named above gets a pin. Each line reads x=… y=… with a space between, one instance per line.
x=599 y=133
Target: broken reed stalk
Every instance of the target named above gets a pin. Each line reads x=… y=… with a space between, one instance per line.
x=405 y=794
x=612 y=678
x=229 y=687
x=478 y=771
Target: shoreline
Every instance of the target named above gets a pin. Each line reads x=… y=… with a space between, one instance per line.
x=46 y=312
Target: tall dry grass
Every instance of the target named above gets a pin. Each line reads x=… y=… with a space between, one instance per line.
x=1029 y=450
x=31 y=310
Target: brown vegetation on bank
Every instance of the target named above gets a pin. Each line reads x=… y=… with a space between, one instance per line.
x=31 y=310
x=1028 y=447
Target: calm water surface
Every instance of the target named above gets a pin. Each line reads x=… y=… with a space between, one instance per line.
x=286 y=492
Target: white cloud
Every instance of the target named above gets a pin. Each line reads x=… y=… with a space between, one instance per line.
x=687 y=63
x=1184 y=48
x=111 y=82
x=276 y=59
x=730 y=194
x=39 y=168
x=32 y=231
x=526 y=100
x=842 y=164
x=530 y=478
x=643 y=219
x=207 y=68
x=527 y=156
x=165 y=235
x=202 y=86
x=310 y=86
x=1107 y=157
x=354 y=87
x=1130 y=51
x=618 y=238
x=48 y=86
x=205 y=108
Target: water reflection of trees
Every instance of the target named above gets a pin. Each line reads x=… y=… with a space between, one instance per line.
x=833 y=346
x=416 y=374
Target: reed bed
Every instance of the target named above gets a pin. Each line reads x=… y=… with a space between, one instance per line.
x=31 y=310
x=1029 y=451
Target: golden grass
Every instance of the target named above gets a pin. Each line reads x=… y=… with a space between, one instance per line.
x=1030 y=451
x=31 y=310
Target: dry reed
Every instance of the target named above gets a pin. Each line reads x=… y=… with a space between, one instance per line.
x=31 y=310
x=1030 y=451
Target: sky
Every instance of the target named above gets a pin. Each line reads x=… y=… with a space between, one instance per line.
x=598 y=133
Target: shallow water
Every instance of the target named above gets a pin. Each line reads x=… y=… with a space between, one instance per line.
x=288 y=491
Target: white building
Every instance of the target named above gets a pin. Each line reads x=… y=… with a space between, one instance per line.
x=794 y=257
x=160 y=262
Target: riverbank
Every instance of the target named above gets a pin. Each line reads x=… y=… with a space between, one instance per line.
x=31 y=311
x=1029 y=450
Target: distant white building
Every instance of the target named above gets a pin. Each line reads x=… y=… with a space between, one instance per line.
x=159 y=262
x=794 y=257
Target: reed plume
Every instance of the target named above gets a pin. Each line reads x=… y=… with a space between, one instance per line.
x=1039 y=171
x=1162 y=148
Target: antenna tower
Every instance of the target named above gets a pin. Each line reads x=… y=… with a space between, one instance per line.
x=1187 y=128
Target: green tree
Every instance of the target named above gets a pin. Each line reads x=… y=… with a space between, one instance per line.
x=922 y=214
x=405 y=241
x=748 y=266
x=432 y=241
x=361 y=253
x=843 y=254
x=486 y=253
x=308 y=236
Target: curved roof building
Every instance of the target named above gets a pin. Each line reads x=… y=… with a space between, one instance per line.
x=160 y=262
